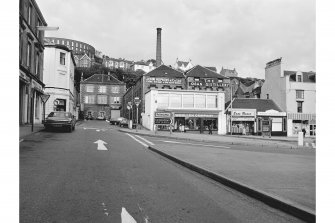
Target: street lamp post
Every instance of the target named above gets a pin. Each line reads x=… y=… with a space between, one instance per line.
x=129 y=107
x=137 y=102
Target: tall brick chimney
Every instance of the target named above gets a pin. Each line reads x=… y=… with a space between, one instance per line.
x=159 y=48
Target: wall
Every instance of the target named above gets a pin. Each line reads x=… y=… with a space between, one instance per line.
x=274 y=85
x=309 y=101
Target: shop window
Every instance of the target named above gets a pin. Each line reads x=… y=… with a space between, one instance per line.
x=62 y=58
x=89 y=88
x=175 y=100
x=300 y=94
x=299 y=106
x=277 y=125
x=200 y=101
x=212 y=101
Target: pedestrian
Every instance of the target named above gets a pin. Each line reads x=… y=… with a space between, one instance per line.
x=210 y=127
x=304 y=131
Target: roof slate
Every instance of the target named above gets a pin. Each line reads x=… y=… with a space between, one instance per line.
x=102 y=79
x=261 y=105
x=202 y=72
x=165 y=71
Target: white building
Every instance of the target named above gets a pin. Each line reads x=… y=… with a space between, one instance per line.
x=142 y=65
x=182 y=65
x=192 y=110
x=58 y=77
x=295 y=93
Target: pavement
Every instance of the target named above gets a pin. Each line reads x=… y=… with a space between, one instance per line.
x=25 y=130
x=278 y=172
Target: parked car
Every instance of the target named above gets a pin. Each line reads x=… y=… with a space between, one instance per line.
x=124 y=122
x=60 y=119
x=115 y=121
x=101 y=118
x=89 y=117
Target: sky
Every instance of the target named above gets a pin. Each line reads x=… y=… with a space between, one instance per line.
x=240 y=34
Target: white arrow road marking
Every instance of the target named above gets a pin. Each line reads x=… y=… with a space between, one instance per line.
x=98 y=130
x=101 y=145
x=193 y=144
x=142 y=143
x=126 y=217
x=147 y=141
x=89 y=128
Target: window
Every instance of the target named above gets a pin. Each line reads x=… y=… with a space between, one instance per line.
x=102 y=99
x=76 y=44
x=21 y=42
x=28 y=54
x=67 y=42
x=175 y=100
x=62 y=42
x=299 y=78
x=121 y=64
x=299 y=106
x=89 y=88
x=58 y=41
x=200 y=101
x=71 y=44
x=196 y=79
x=267 y=96
x=102 y=89
x=29 y=14
x=62 y=58
x=115 y=89
x=188 y=100
x=90 y=99
x=220 y=80
x=39 y=23
x=80 y=45
x=37 y=64
x=115 y=100
x=300 y=94
x=212 y=101
x=163 y=100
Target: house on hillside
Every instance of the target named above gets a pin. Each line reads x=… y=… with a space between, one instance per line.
x=182 y=65
x=101 y=96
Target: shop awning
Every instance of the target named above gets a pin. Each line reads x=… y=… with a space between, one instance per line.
x=301 y=116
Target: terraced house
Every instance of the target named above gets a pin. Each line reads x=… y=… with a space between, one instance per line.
x=31 y=62
x=101 y=96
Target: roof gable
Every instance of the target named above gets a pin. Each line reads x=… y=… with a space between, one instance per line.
x=102 y=79
x=203 y=72
x=261 y=105
x=165 y=71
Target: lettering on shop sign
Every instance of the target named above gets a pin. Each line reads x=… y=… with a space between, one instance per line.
x=162 y=80
x=208 y=82
x=163 y=121
x=196 y=115
x=162 y=114
x=243 y=113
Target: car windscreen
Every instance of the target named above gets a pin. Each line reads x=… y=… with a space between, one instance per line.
x=60 y=114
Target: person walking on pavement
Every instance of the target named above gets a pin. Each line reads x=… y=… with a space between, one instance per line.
x=210 y=127
x=304 y=131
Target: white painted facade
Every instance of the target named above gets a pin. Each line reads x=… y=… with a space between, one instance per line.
x=283 y=92
x=59 y=79
x=145 y=68
x=154 y=99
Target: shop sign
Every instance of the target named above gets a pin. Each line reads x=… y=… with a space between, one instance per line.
x=195 y=115
x=243 y=113
x=162 y=80
x=163 y=115
x=163 y=121
x=36 y=85
x=24 y=76
x=207 y=82
x=243 y=119
x=115 y=107
x=271 y=113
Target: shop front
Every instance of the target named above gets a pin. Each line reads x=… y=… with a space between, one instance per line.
x=275 y=120
x=242 y=121
x=296 y=122
x=196 y=122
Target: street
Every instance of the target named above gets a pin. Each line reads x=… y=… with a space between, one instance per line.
x=73 y=177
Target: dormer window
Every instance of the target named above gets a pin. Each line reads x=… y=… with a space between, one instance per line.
x=299 y=78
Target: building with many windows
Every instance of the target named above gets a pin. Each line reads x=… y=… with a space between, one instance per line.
x=101 y=96
x=295 y=93
x=114 y=63
x=31 y=51
x=58 y=77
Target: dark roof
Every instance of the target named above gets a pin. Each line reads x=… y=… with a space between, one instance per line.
x=307 y=77
x=261 y=105
x=102 y=79
x=199 y=71
x=165 y=71
x=211 y=68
